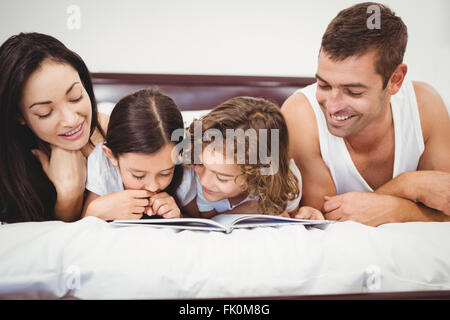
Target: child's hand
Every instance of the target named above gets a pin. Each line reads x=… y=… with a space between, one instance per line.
x=163 y=205
x=309 y=213
x=122 y=205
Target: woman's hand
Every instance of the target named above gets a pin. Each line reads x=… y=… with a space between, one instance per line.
x=66 y=170
x=162 y=204
x=122 y=205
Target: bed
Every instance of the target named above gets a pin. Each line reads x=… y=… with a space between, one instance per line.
x=90 y=259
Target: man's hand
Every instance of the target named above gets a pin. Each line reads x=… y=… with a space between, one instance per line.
x=364 y=207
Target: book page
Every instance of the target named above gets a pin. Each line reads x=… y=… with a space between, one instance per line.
x=178 y=223
x=231 y=221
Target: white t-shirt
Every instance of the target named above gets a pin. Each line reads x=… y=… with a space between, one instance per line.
x=224 y=205
x=103 y=177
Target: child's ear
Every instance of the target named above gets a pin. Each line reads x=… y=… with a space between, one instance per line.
x=109 y=154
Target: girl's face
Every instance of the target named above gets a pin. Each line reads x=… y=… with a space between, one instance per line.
x=219 y=179
x=152 y=172
x=56 y=107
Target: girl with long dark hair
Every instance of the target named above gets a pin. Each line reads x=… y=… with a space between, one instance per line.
x=135 y=172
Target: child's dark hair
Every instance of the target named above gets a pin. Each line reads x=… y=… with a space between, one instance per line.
x=143 y=122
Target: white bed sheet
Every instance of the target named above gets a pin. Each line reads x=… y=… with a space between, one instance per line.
x=90 y=259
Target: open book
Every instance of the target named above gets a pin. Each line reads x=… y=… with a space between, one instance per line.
x=222 y=222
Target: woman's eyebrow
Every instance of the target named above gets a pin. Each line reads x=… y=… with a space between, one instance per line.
x=49 y=102
x=36 y=103
x=71 y=87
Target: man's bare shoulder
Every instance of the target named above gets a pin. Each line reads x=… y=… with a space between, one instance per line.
x=301 y=123
x=298 y=105
x=299 y=115
x=431 y=107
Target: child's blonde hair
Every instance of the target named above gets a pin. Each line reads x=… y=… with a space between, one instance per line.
x=276 y=189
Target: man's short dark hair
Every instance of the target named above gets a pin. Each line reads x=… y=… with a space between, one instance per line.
x=349 y=34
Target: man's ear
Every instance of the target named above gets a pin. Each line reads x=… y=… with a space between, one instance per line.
x=396 y=80
x=109 y=154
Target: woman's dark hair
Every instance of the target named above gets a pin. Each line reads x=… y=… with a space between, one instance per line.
x=26 y=193
x=143 y=122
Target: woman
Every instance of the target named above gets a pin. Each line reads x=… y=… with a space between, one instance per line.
x=48 y=126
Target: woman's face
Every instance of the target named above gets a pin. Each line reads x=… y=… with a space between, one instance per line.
x=56 y=107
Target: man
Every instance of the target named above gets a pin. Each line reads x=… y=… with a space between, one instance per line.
x=372 y=146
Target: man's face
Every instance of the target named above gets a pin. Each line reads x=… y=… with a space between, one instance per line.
x=350 y=93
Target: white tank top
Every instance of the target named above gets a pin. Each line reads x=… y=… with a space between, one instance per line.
x=409 y=143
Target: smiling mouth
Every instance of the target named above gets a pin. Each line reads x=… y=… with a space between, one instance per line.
x=340 y=118
x=208 y=191
x=71 y=133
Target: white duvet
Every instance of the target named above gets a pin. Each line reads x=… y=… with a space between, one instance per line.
x=90 y=259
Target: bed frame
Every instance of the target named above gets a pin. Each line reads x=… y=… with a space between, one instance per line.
x=202 y=92
x=197 y=92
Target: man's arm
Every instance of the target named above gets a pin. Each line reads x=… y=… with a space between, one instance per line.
x=375 y=209
x=435 y=123
x=304 y=148
x=431 y=183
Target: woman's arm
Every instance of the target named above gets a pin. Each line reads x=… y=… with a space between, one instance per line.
x=67 y=171
x=68 y=209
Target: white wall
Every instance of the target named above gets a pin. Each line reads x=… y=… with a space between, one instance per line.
x=241 y=37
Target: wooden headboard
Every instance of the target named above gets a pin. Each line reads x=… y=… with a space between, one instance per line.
x=196 y=92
